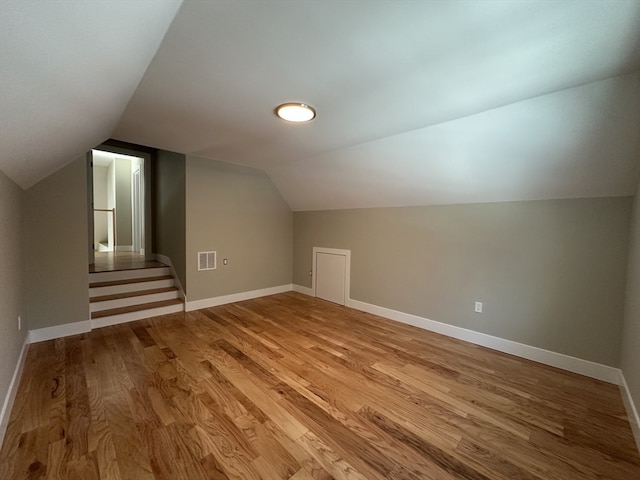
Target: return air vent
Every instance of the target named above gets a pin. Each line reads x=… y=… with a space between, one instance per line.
x=206 y=261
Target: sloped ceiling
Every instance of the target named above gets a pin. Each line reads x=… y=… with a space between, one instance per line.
x=419 y=103
x=67 y=72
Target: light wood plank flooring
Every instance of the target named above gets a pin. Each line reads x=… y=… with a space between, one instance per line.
x=293 y=387
x=112 y=261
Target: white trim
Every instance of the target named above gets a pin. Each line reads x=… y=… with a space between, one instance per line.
x=137 y=168
x=303 y=290
x=559 y=360
x=116 y=275
x=129 y=301
x=59 y=331
x=67 y=329
x=143 y=284
x=7 y=405
x=630 y=406
x=167 y=261
x=133 y=316
x=347 y=273
x=207 y=261
x=235 y=297
x=124 y=248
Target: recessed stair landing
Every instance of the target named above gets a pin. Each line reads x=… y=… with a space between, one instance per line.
x=127 y=295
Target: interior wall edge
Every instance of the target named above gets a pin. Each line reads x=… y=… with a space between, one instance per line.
x=167 y=261
x=59 y=331
x=630 y=345
x=10 y=397
x=630 y=406
x=302 y=289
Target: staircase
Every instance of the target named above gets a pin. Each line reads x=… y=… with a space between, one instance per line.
x=126 y=295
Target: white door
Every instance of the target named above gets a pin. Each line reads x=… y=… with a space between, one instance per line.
x=330 y=277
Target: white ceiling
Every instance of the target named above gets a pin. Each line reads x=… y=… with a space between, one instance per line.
x=419 y=102
x=67 y=72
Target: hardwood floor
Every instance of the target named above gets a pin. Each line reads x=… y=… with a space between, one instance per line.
x=293 y=387
x=112 y=261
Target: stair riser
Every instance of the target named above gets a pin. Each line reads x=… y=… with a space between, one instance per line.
x=132 y=316
x=127 y=274
x=129 y=287
x=125 y=302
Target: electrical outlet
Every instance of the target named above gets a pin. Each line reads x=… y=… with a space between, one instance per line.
x=478 y=307
x=224 y=261
x=19 y=323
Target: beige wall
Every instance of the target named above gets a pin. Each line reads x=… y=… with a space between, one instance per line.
x=56 y=248
x=11 y=282
x=101 y=220
x=169 y=194
x=551 y=274
x=123 y=202
x=630 y=363
x=238 y=212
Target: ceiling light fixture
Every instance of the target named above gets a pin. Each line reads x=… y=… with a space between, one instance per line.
x=295 y=112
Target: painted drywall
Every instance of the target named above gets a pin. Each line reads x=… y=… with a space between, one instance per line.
x=101 y=220
x=56 y=273
x=630 y=362
x=11 y=281
x=550 y=274
x=169 y=196
x=123 y=202
x=111 y=200
x=238 y=212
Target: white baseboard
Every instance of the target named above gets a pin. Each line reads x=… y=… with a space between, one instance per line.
x=632 y=412
x=67 y=329
x=565 y=362
x=59 y=331
x=167 y=261
x=303 y=290
x=559 y=360
x=124 y=248
x=12 y=391
x=236 y=297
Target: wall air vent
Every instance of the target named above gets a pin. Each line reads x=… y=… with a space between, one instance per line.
x=206 y=261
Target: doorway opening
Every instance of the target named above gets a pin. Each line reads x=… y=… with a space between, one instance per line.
x=117 y=210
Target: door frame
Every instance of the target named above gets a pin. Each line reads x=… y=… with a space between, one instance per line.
x=146 y=155
x=137 y=208
x=90 y=232
x=347 y=273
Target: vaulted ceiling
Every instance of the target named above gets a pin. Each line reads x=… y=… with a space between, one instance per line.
x=419 y=102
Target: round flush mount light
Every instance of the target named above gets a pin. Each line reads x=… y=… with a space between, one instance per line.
x=295 y=112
